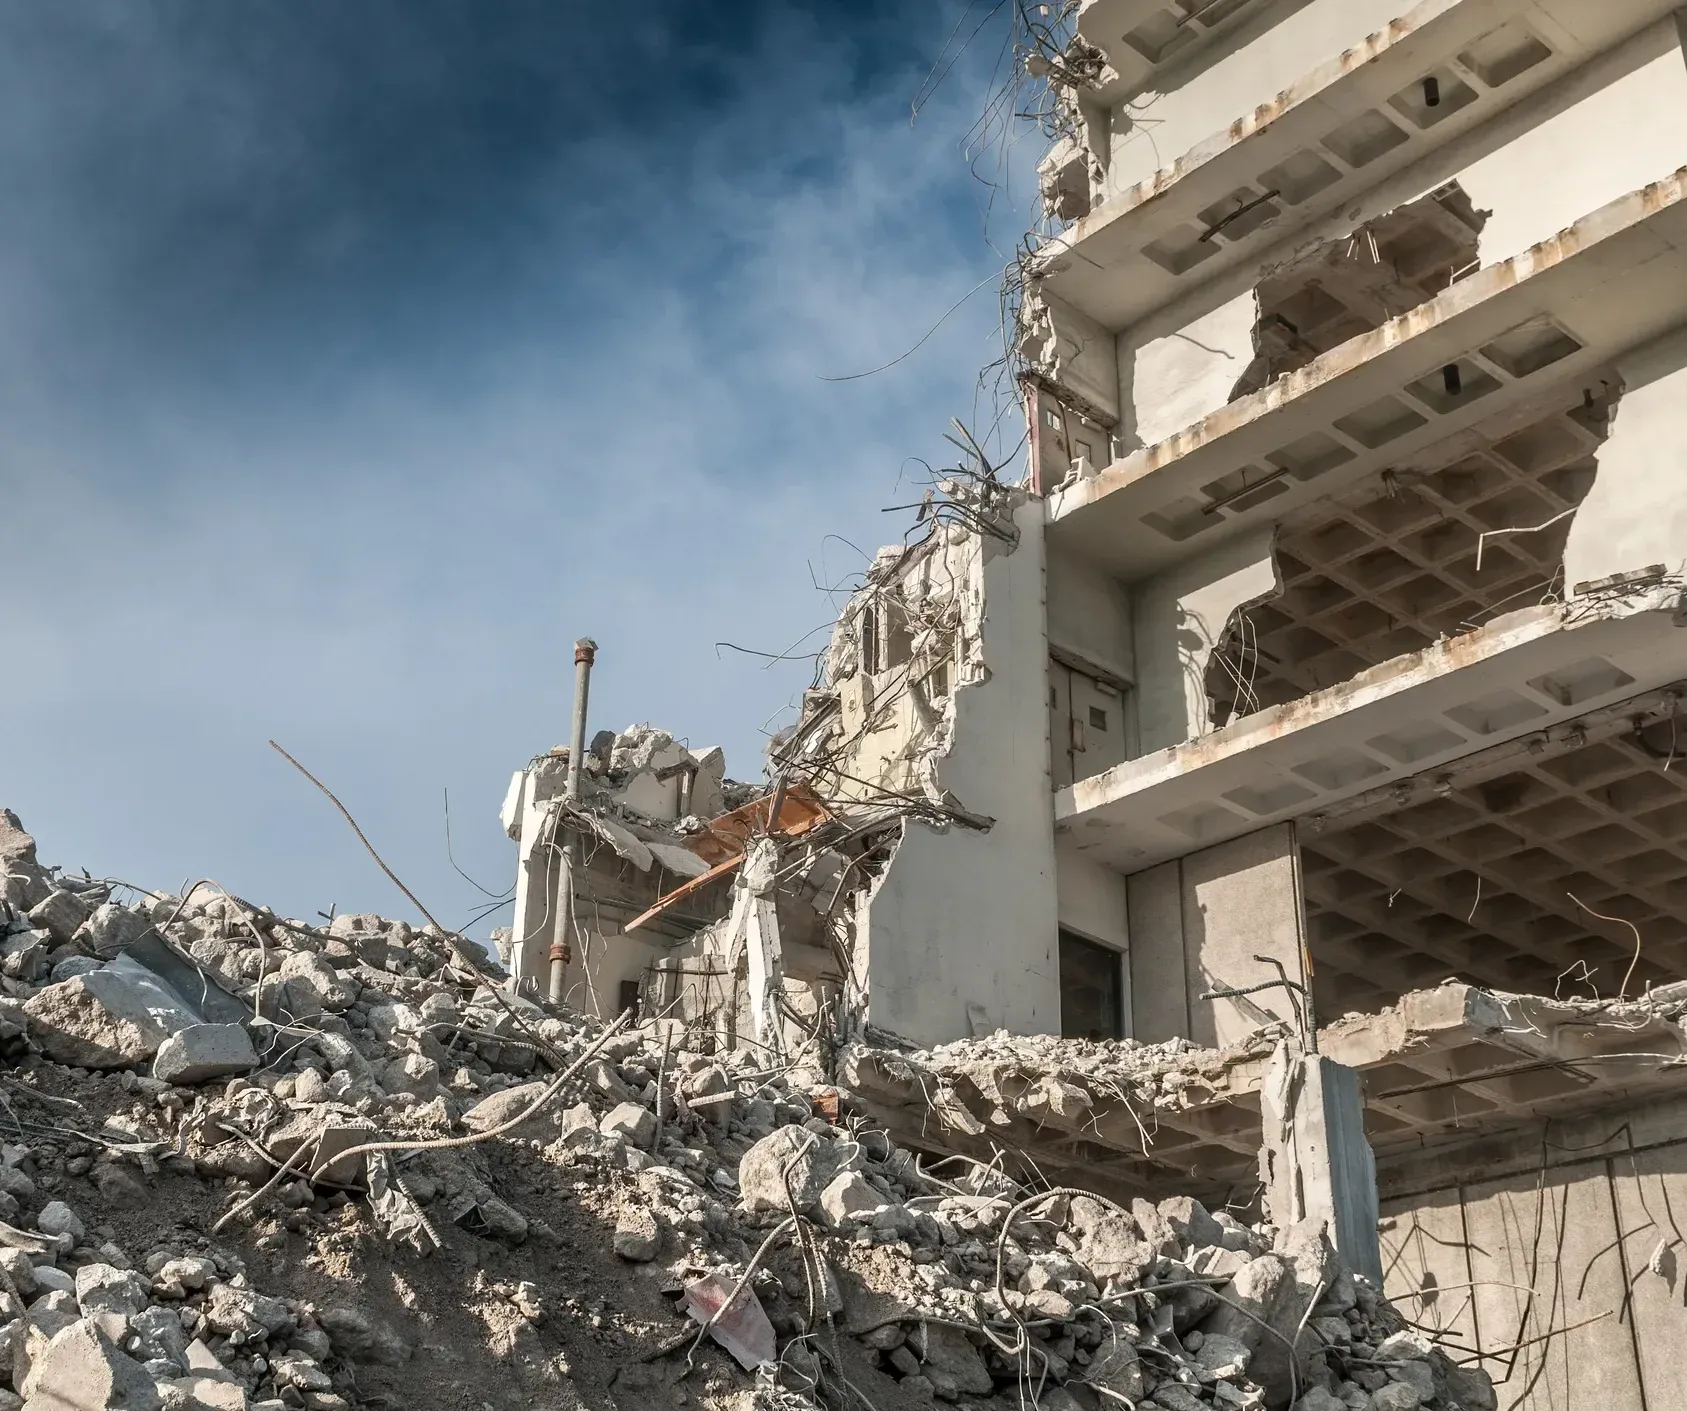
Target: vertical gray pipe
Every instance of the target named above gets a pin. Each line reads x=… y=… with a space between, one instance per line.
x=585 y=653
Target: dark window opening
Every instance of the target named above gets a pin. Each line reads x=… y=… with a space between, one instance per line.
x=1091 y=989
x=898 y=637
x=1098 y=718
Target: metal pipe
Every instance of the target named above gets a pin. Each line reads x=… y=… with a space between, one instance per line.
x=585 y=653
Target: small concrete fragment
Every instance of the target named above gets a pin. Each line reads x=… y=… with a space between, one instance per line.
x=57 y=1218
x=201 y=1053
x=637 y=1235
x=61 y=915
x=848 y=1197
x=501 y=1107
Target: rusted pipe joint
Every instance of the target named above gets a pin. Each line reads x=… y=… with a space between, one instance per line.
x=585 y=652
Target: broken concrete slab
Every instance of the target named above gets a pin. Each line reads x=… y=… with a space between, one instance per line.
x=102 y=1020
x=81 y=1368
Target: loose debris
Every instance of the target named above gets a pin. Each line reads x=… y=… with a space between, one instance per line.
x=249 y=1162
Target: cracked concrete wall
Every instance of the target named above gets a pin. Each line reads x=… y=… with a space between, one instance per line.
x=1074 y=351
x=1180 y=619
x=1636 y=513
x=957 y=932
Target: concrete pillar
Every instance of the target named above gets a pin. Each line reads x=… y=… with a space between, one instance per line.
x=1315 y=1162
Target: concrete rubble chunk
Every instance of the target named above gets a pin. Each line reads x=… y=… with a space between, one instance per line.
x=790 y=1163
x=243 y=1311
x=57 y=1218
x=847 y=1196
x=631 y=1122
x=101 y=1288
x=201 y=1393
x=500 y=1107
x=950 y=1360
x=112 y=929
x=333 y=991
x=80 y=1368
x=98 y=1020
x=203 y=1052
x=61 y=914
x=16 y=846
x=1190 y=1221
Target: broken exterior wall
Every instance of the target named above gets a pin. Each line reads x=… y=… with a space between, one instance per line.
x=956 y=932
x=1180 y=619
x=640 y=790
x=1635 y=514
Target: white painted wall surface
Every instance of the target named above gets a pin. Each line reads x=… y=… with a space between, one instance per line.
x=1205 y=96
x=1089 y=615
x=1092 y=897
x=966 y=918
x=1180 y=615
x=1618 y=137
x=1170 y=381
x=1636 y=512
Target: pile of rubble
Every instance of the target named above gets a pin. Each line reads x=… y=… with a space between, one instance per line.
x=254 y=1163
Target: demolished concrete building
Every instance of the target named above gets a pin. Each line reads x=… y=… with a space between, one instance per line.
x=1319 y=683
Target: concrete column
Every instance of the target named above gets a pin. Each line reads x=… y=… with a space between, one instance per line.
x=1315 y=1162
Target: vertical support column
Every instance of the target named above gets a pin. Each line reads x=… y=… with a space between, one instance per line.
x=1315 y=1162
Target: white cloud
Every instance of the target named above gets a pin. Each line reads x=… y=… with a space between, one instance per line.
x=389 y=584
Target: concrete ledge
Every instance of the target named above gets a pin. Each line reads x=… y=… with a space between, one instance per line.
x=1525 y=673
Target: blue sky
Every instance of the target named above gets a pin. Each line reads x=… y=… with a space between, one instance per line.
x=355 y=359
